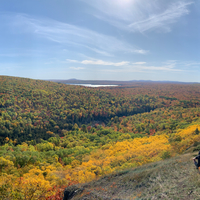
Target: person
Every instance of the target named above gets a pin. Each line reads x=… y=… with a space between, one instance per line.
x=197 y=164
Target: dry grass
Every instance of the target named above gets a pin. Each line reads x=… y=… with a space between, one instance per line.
x=174 y=178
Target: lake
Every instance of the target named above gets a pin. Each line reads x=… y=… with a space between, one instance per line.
x=91 y=85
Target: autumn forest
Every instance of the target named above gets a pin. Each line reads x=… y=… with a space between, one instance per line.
x=53 y=135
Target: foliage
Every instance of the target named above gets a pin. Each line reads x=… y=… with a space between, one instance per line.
x=54 y=135
x=34 y=109
x=29 y=173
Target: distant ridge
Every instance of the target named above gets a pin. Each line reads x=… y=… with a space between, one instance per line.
x=73 y=79
x=120 y=83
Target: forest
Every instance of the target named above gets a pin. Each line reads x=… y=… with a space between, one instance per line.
x=54 y=135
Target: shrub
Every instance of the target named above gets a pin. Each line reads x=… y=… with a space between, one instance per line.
x=165 y=155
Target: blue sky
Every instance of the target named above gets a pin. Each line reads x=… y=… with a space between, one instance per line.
x=101 y=39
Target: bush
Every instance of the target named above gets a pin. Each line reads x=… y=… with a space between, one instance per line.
x=197 y=148
x=165 y=155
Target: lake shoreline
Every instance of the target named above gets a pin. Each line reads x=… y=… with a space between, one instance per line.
x=91 y=85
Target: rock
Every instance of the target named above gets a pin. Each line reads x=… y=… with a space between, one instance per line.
x=72 y=191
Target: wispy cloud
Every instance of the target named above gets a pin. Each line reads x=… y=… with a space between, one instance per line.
x=141 y=15
x=170 y=65
x=139 y=63
x=166 y=67
x=126 y=66
x=162 y=20
x=162 y=68
x=72 y=61
x=77 y=68
x=99 y=62
x=143 y=69
x=69 y=35
x=191 y=64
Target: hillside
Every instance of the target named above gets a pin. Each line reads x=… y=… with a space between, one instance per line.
x=174 y=178
x=54 y=135
x=35 y=109
x=42 y=171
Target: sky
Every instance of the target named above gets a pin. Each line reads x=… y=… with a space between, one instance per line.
x=122 y=40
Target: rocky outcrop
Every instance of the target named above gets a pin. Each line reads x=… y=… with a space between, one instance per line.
x=71 y=192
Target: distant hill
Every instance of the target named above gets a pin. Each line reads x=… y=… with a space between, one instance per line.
x=174 y=178
x=94 y=82
x=120 y=83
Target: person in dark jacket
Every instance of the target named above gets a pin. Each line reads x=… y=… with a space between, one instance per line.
x=197 y=164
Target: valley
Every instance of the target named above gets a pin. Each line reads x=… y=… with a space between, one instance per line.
x=54 y=135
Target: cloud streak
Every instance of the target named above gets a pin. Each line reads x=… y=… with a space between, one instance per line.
x=126 y=66
x=77 y=68
x=162 y=20
x=139 y=63
x=141 y=15
x=99 y=62
x=70 y=35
